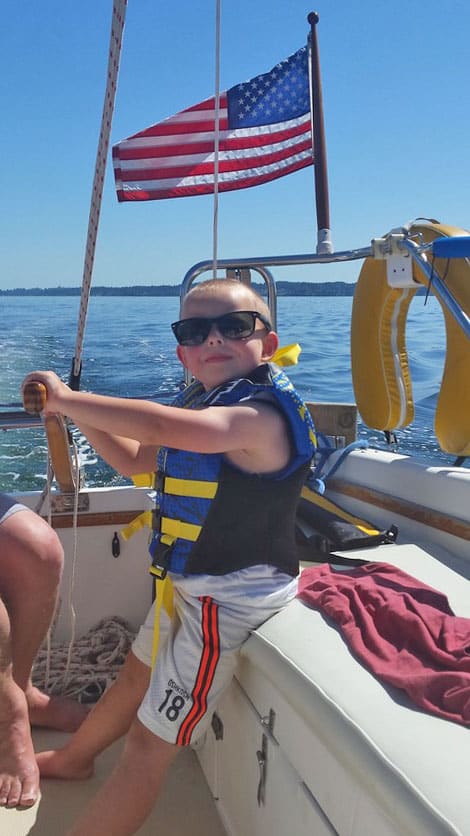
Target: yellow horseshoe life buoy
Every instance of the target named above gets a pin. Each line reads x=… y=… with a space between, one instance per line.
x=379 y=361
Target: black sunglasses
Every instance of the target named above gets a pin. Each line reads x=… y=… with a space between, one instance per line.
x=233 y=326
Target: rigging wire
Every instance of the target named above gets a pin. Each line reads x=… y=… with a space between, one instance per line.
x=117 y=27
x=216 y=141
x=72 y=611
x=73 y=615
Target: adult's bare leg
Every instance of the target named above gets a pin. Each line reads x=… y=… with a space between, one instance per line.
x=109 y=719
x=19 y=776
x=31 y=560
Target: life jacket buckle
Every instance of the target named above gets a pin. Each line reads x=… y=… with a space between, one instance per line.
x=160 y=554
x=158 y=572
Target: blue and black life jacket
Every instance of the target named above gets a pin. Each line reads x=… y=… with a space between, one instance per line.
x=213 y=518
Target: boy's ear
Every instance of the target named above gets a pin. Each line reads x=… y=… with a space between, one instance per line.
x=180 y=354
x=270 y=345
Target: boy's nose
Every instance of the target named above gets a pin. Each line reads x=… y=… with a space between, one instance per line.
x=214 y=334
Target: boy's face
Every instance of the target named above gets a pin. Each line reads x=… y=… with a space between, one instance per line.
x=218 y=358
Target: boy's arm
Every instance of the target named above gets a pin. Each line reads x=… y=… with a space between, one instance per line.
x=125 y=455
x=253 y=435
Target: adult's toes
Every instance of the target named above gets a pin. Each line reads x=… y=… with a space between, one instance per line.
x=5 y=783
x=29 y=793
x=14 y=793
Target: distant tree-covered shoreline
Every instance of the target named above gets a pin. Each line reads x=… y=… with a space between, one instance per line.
x=283 y=289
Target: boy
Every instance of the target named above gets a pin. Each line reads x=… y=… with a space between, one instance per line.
x=31 y=560
x=230 y=470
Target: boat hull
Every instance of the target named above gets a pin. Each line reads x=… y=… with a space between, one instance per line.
x=336 y=751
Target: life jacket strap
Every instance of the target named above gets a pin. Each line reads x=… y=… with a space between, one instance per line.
x=143 y=519
x=163 y=600
x=187 y=487
x=323 y=526
x=143 y=480
x=177 y=528
x=320 y=501
x=140 y=480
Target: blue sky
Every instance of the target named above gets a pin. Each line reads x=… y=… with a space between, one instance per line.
x=397 y=119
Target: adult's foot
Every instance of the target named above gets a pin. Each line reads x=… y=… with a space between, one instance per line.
x=19 y=773
x=60 y=713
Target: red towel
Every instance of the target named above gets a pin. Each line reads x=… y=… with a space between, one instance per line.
x=402 y=630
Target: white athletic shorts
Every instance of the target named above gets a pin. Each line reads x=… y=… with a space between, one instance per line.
x=197 y=653
x=9 y=506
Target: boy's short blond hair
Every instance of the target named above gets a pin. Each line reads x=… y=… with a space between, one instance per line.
x=214 y=286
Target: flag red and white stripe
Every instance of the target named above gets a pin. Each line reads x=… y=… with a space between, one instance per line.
x=175 y=158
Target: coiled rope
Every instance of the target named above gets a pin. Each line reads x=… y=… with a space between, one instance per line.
x=84 y=670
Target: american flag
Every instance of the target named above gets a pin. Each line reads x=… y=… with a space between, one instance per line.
x=264 y=133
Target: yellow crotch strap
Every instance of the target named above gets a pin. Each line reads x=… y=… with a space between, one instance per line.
x=164 y=599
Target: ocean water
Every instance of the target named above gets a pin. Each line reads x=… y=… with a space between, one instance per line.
x=129 y=350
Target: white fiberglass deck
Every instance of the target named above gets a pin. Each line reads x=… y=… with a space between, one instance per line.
x=185 y=796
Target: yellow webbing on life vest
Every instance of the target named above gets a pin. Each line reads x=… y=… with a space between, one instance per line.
x=190 y=487
x=143 y=480
x=173 y=528
x=177 y=528
x=176 y=487
x=143 y=519
x=163 y=598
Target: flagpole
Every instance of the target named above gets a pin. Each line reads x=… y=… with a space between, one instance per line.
x=324 y=242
